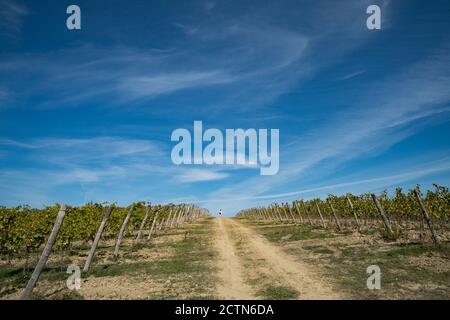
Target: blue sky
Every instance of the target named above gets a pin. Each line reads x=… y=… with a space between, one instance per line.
x=87 y=115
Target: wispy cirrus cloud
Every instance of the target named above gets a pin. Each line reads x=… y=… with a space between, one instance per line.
x=147 y=87
x=351 y=75
x=12 y=14
x=247 y=61
x=231 y=67
x=98 y=167
x=388 y=116
x=85 y=150
x=120 y=75
x=197 y=175
x=371 y=183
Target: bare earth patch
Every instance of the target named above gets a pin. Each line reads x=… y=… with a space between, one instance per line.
x=232 y=285
x=120 y=287
x=410 y=269
x=261 y=263
x=285 y=268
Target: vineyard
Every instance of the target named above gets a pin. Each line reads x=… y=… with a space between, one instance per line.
x=406 y=235
x=404 y=216
x=25 y=230
x=282 y=251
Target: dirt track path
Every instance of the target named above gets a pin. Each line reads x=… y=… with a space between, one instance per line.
x=273 y=262
x=232 y=285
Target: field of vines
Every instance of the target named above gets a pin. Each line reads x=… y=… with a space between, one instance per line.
x=26 y=231
x=410 y=215
x=157 y=246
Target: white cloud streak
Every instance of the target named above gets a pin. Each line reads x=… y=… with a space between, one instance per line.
x=12 y=14
x=385 y=118
x=152 y=86
x=396 y=178
x=200 y=175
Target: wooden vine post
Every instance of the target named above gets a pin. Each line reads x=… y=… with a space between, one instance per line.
x=185 y=215
x=298 y=211
x=167 y=225
x=354 y=213
x=97 y=238
x=387 y=224
x=269 y=214
x=153 y=224
x=188 y=214
x=307 y=213
x=176 y=210
x=281 y=211
x=276 y=213
x=266 y=214
x=272 y=214
x=334 y=215
x=193 y=213
x=174 y=216
x=122 y=231
x=161 y=225
x=261 y=214
x=320 y=215
x=290 y=212
x=275 y=208
x=141 y=227
x=45 y=254
x=426 y=216
x=284 y=209
x=180 y=216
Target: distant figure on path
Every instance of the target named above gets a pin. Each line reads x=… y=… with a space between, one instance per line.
x=220 y=212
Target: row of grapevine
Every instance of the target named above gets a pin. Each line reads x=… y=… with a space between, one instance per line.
x=25 y=229
x=400 y=214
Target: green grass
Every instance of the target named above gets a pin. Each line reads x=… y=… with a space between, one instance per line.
x=345 y=265
x=15 y=276
x=190 y=253
x=399 y=279
x=191 y=256
x=319 y=249
x=275 y=232
x=277 y=293
x=188 y=266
